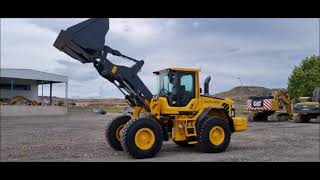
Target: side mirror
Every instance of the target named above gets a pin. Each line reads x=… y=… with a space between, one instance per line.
x=200 y=90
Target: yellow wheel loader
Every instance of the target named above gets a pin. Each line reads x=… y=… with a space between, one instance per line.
x=308 y=108
x=274 y=107
x=179 y=111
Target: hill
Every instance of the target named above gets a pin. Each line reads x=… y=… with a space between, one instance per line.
x=240 y=94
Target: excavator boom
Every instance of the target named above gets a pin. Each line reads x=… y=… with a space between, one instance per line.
x=285 y=99
x=85 y=42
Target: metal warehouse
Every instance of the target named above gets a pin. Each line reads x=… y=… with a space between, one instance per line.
x=25 y=83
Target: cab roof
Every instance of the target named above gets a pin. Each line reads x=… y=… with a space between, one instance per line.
x=177 y=69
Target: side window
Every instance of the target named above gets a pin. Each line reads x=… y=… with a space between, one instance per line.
x=187 y=92
x=187 y=82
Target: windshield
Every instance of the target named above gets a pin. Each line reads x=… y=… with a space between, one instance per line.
x=304 y=99
x=165 y=86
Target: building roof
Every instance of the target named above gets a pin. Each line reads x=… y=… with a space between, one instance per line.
x=177 y=69
x=32 y=75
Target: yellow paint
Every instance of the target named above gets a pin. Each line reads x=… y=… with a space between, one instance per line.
x=179 y=131
x=181 y=123
x=308 y=103
x=180 y=69
x=144 y=138
x=114 y=69
x=193 y=142
x=240 y=124
x=216 y=135
x=118 y=132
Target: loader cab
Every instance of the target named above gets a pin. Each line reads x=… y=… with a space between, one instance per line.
x=178 y=85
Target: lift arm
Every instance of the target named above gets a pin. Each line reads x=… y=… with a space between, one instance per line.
x=85 y=42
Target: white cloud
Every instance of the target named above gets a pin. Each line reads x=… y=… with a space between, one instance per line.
x=25 y=45
x=135 y=31
x=261 y=52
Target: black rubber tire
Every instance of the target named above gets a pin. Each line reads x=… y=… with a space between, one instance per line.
x=199 y=124
x=128 y=138
x=306 y=119
x=297 y=119
x=183 y=143
x=111 y=129
x=301 y=119
x=205 y=144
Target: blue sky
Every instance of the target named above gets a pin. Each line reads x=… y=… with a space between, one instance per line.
x=262 y=52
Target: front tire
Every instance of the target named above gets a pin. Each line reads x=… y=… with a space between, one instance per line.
x=112 y=132
x=142 y=138
x=215 y=135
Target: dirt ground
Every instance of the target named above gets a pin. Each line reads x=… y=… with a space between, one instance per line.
x=81 y=138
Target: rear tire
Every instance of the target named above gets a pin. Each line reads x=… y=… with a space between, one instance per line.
x=215 y=135
x=113 y=129
x=142 y=138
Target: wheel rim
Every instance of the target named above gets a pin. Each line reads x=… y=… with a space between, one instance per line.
x=144 y=138
x=118 y=132
x=216 y=135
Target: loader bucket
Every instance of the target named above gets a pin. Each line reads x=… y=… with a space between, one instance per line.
x=85 y=40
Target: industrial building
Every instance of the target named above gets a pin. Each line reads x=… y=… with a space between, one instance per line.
x=25 y=82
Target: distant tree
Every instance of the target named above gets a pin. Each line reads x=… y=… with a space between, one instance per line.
x=304 y=77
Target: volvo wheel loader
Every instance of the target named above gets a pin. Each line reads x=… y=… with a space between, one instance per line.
x=274 y=107
x=179 y=111
x=308 y=108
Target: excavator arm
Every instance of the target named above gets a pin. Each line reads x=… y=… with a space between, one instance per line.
x=85 y=42
x=285 y=99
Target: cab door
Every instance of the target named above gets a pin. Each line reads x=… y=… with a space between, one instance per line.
x=185 y=88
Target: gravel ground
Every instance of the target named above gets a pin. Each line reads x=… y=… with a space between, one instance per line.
x=81 y=138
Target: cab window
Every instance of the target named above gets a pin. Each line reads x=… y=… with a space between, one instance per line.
x=186 y=88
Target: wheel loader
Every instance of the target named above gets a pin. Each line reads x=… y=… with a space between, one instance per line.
x=272 y=107
x=307 y=108
x=179 y=111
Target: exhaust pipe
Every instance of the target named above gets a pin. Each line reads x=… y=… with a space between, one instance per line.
x=84 y=41
x=206 y=85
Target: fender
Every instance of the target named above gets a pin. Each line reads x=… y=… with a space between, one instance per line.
x=202 y=117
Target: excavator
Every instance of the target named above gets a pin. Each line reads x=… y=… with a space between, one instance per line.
x=307 y=108
x=272 y=107
x=179 y=111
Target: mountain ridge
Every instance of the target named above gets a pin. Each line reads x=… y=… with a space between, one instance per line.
x=240 y=94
